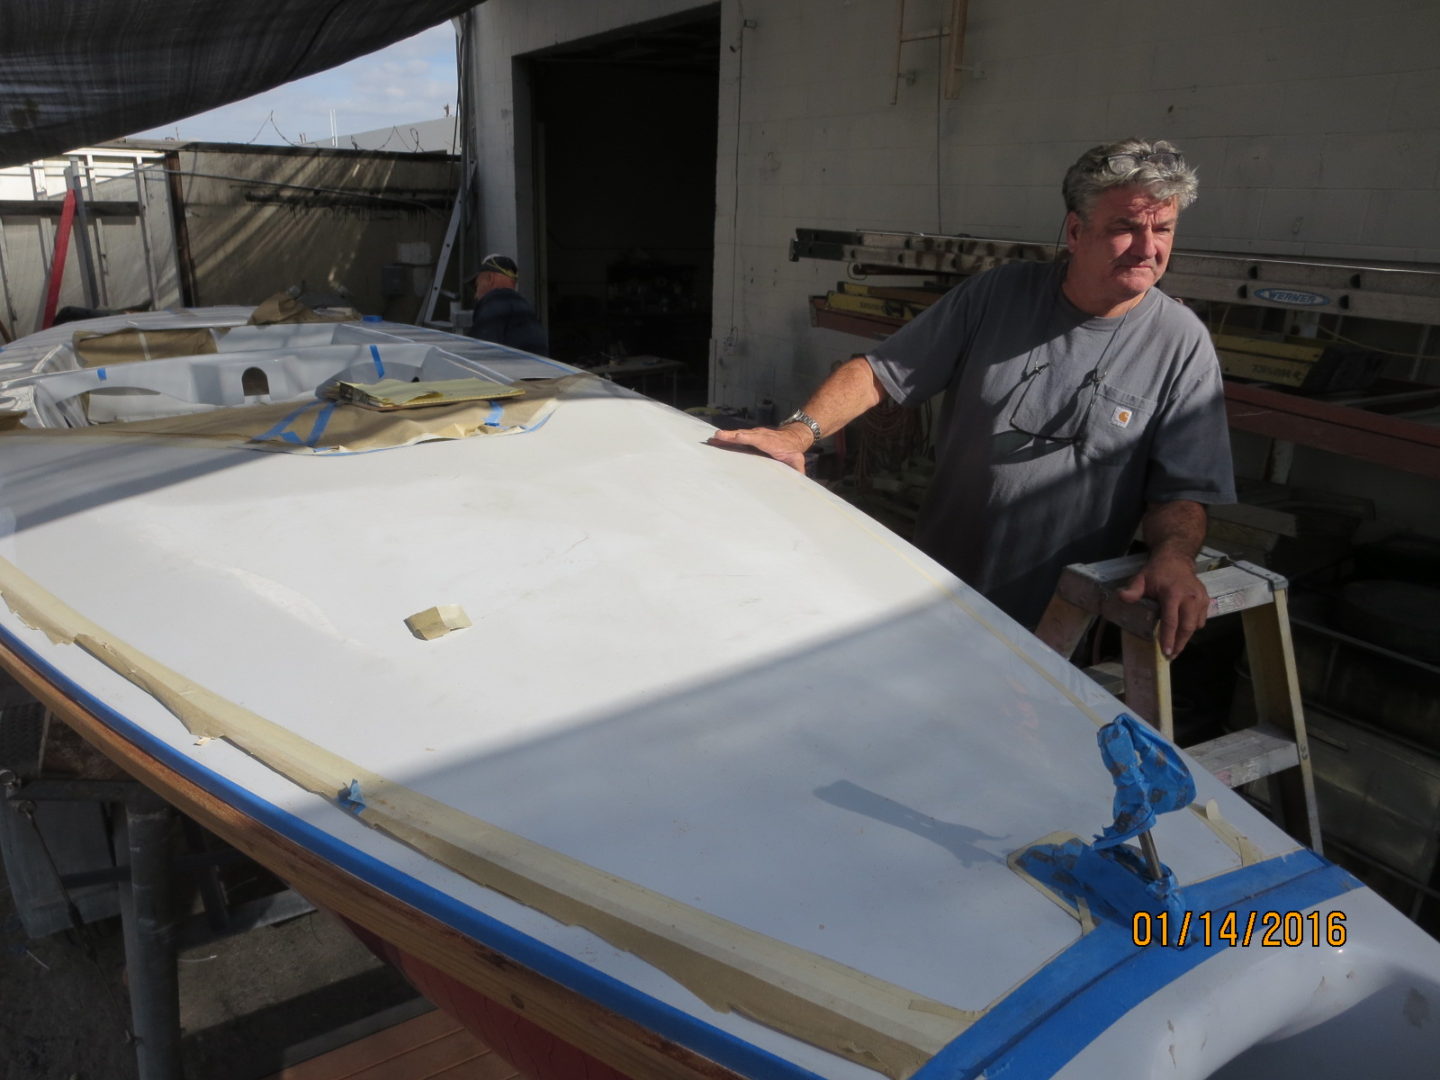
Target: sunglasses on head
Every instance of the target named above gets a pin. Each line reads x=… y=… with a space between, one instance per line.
x=1122 y=163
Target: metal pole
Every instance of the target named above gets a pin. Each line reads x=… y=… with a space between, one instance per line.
x=11 y=317
x=45 y=234
x=82 y=239
x=143 y=838
x=142 y=215
x=1152 y=856
x=102 y=256
x=189 y=287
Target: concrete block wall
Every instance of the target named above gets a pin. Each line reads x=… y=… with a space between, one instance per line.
x=1312 y=122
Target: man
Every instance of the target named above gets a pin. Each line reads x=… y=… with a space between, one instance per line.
x=501 y=314
x=1078 y=401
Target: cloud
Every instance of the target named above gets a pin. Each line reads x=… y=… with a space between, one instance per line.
x=411 y=80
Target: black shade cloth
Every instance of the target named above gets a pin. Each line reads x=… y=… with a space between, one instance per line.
x=77 y=72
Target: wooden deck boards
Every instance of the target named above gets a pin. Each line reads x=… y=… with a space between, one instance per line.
x=432 y=1046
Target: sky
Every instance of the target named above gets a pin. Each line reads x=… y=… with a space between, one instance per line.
x=411 y=80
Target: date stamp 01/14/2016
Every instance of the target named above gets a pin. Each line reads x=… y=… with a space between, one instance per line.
x=1267 y=929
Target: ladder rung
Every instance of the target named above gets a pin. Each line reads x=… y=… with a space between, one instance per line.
x=1231 y=588
x=1110 y=675
x=1245 y=755
x=1117 y=571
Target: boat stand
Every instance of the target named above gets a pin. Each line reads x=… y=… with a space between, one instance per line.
x=1276 y=748
x=56 y=879
x=143 y=827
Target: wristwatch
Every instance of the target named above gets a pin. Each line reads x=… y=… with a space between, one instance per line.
x=800 y=416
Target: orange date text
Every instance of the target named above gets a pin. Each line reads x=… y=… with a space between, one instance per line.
x=1239 y=929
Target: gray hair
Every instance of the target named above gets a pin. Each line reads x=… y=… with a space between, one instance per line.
x=1097 y=171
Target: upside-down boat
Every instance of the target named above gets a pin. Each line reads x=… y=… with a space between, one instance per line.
x=722 y=779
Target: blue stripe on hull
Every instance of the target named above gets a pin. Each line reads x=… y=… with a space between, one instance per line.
x=1036 y=1030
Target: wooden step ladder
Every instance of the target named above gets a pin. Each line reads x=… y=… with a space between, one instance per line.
x=1275 y=747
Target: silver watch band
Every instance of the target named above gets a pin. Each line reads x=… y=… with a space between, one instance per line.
x=800 y=416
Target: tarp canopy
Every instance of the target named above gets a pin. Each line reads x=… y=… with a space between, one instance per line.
x=77 y=72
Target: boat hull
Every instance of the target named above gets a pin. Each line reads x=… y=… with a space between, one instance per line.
x=532 y=1049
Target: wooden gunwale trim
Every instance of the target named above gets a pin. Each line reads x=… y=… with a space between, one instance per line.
x=570 y=1016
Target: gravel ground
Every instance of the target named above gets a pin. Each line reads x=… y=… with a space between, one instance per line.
x=249 y=1004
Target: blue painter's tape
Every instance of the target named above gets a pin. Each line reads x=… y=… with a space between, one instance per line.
x=1036 y=1030
x=379 y=365
x=352 y=798
x=495 y=415
x=608 y=992
x=1114 y=882
x=322 y=421
x=279 y=430
x=101 y=374
x=1149 y=776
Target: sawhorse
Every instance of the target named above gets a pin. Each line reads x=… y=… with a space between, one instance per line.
x=1274 y=748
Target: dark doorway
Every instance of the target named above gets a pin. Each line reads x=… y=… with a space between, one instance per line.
x=624 y=164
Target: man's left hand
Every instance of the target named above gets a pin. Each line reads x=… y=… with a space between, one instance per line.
x=1170 y=581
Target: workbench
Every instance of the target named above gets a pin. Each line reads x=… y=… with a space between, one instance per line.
x=639 y=370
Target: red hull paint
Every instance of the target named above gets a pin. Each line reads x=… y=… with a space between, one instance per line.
x=531 y=1049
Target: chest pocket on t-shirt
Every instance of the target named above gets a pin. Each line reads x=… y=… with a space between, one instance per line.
x=1116 y=426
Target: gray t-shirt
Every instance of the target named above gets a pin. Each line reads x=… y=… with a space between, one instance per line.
x=1057 y=427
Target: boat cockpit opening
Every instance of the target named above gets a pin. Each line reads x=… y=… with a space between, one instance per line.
x=179 y=386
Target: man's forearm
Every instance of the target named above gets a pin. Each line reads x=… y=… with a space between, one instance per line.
x=851 y=389
x=1174 y=529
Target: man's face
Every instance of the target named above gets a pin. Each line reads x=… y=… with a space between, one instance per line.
x=1123 y=246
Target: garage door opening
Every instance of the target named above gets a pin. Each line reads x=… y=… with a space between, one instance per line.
x=624 y=157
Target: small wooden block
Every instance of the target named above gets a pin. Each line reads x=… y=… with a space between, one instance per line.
x=438 y=621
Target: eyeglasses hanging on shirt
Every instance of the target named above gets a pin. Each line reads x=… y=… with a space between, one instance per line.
x=1043 y=410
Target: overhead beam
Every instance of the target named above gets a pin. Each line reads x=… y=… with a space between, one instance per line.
x=1392 y=441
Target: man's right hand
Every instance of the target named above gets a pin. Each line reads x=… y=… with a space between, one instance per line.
x=787 y=444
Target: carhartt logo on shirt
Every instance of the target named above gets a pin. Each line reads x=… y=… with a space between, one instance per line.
x=1122 y=416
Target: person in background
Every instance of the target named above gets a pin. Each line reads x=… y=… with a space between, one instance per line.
x=501 y=314
x=1079 y=401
